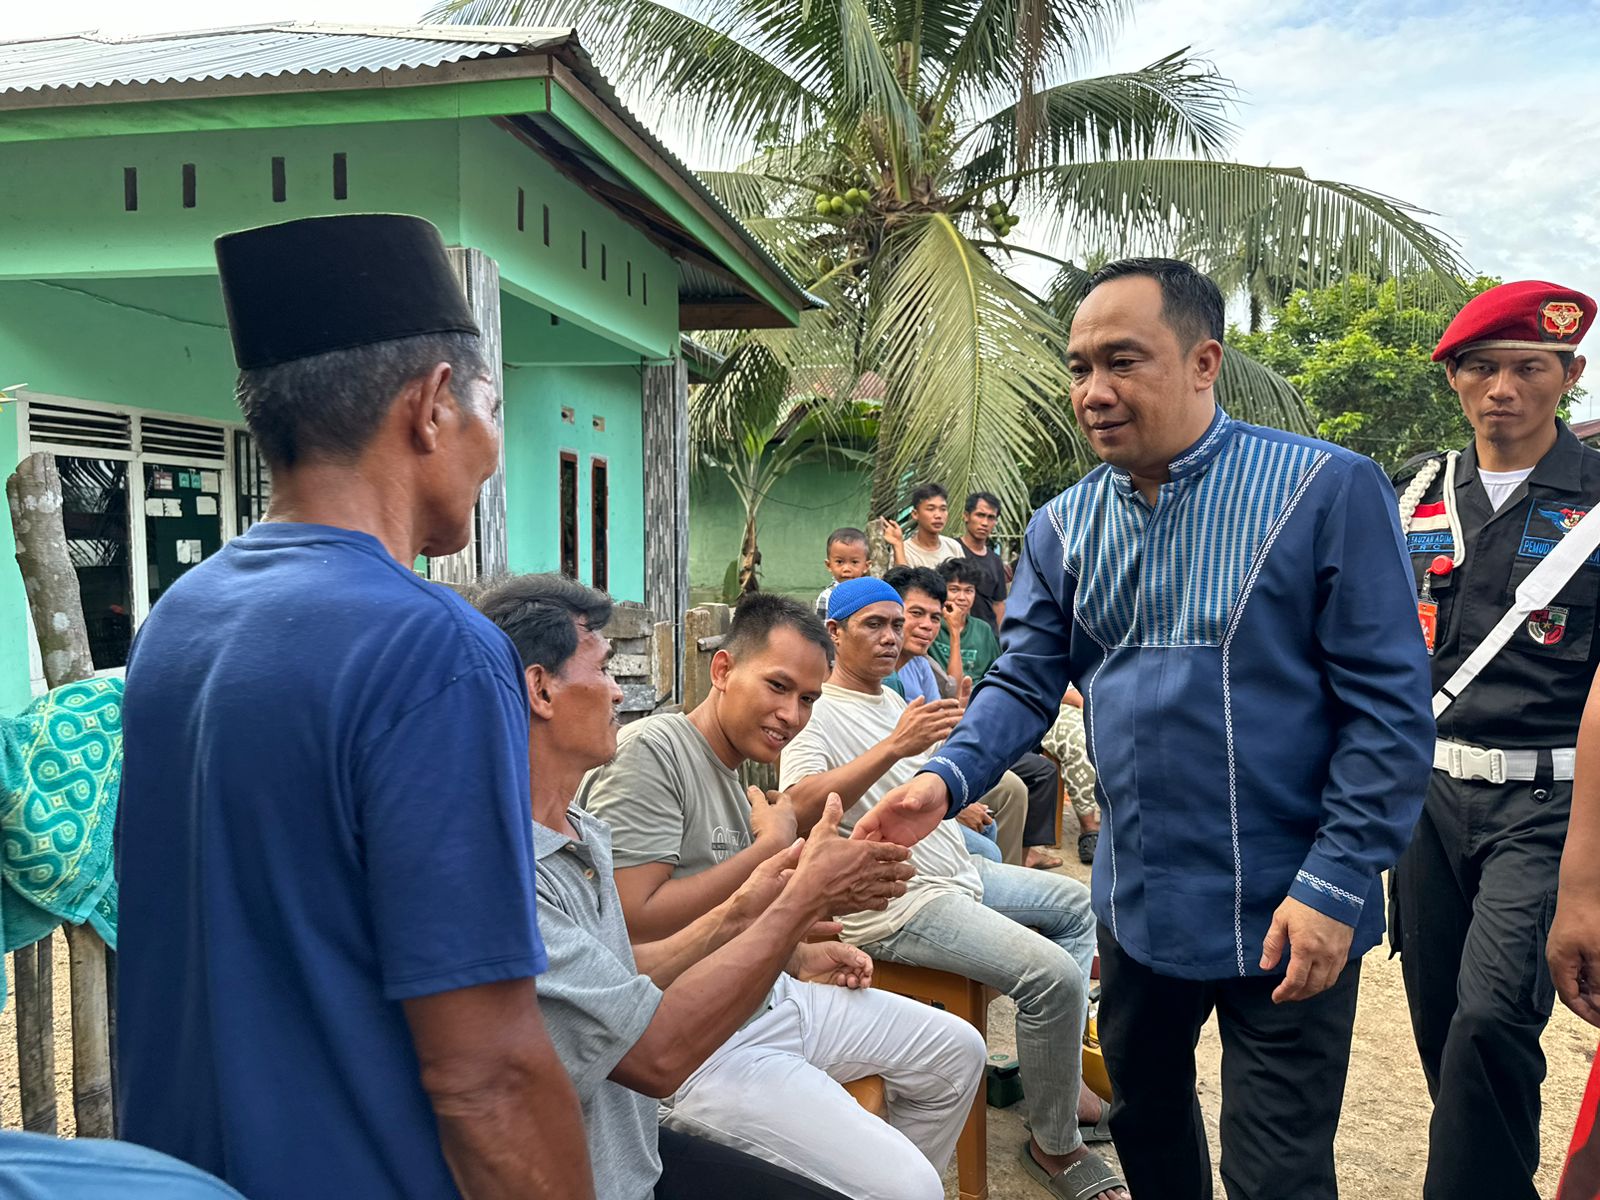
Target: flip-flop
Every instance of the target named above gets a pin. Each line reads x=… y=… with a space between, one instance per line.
x=1047 y=860
x=1086 y=847
x=1082 y=1180
x=1098 y=1134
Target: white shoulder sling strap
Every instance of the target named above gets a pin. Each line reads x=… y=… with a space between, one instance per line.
x=1534 y=593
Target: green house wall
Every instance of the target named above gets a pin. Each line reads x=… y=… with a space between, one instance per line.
x=103 y=304
x=802 y=508
x=536 y=436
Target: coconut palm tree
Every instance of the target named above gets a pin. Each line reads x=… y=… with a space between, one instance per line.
x=893 y=147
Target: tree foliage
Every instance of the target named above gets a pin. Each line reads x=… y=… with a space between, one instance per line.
x=900 y=145
x=1360 y=355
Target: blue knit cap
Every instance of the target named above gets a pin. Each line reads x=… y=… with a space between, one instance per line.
x=853 y=595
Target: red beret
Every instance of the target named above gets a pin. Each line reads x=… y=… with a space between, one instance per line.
x=1528 y=315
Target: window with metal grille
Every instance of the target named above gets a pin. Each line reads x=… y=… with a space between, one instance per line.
x=252 y=480
x=569 y=514
x=599 y=526
x=57 y=426
x=157 y=435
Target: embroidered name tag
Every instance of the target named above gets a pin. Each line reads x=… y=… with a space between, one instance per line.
x=1430 y=542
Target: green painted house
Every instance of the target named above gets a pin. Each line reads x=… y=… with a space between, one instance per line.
x=583 y=244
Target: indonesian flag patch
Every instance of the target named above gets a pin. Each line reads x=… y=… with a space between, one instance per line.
x=1430 y=516
x=1547 y=626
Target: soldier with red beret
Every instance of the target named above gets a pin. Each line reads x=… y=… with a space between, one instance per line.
x=1474 y=893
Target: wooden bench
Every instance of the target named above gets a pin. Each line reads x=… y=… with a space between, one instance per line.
x=969 y=1000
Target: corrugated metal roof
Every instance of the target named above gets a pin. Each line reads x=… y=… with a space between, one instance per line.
x=94 y=60
x=78 y=62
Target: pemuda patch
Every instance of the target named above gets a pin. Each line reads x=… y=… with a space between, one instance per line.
x=1547 y=524
x=1547 y=626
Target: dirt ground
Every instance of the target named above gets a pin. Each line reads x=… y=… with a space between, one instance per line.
x=1382 y=1145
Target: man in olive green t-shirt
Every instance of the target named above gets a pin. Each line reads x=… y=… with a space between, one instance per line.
x=964 y=646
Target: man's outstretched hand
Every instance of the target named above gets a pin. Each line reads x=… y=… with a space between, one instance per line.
x=907 y=814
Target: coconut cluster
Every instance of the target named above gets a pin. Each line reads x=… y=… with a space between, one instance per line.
x=851 y=203
x=999 y=217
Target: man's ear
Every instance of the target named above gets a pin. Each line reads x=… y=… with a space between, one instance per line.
x=431 y=403
x=1207 y=362
x=539 y=702
x=1450 y=366
x=1575 y=372
x=721 y=664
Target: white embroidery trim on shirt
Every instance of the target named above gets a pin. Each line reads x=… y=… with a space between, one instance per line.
x=1318 y=884
x=960 y=778
x=1227 y=699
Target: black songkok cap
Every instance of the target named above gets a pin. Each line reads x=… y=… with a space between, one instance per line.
x=333 y=283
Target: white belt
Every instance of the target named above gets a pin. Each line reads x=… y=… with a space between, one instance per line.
x=1461 y=761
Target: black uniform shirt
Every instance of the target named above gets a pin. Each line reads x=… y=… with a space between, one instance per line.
x=1532 y=694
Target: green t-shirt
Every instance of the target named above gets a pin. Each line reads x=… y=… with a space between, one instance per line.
x=979 y=648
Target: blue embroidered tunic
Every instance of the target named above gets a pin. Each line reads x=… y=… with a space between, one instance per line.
x=1255 y=691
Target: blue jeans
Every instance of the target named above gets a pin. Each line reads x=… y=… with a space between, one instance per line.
x=985 y=844
x=1033 y=938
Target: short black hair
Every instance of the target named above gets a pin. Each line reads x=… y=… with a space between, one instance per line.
x=760 y=613
x=917 y=579
x=977 y=498
x=849 y=535
x=328 y=407
x=960 y=570
x=542 y=615
x=1191 y=304
x=928 y=491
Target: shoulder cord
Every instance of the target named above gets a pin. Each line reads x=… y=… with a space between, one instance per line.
x=1418 y=487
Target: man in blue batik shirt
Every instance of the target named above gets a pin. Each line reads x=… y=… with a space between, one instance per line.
x=1236 y=605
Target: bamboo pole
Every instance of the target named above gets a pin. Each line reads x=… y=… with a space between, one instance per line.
x=33 y=987
x=91 y=1034
x=34 y=495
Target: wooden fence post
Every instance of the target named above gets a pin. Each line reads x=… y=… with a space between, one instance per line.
x=697 y=623
x=34 y=495
x=33 y=988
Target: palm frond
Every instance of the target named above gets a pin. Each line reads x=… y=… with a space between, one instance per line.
x=1177 y=105
x=712 y=73
x=1327 y=229
x=1009 y=45
x=1260 y=395
x=974 y=367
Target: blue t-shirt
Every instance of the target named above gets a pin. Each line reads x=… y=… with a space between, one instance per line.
x=324 y=812
x=35 y=1166
x=915 y=679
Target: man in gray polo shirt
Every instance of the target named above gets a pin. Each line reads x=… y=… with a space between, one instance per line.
x=673 y=1017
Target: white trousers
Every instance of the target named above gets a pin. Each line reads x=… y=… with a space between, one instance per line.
x=773 y=1089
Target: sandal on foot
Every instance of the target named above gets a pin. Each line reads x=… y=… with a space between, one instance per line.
x=1099 y=1133
x=1096 y=1134
x=1082 y=1180
x=1086 y=847
x=1044 y=859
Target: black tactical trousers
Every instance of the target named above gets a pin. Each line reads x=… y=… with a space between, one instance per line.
x=1473 y=897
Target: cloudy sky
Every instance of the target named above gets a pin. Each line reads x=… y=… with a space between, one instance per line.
x=1483 y=113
